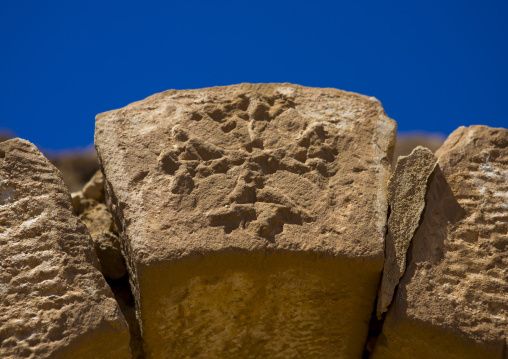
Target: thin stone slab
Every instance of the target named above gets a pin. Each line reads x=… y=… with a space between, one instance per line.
x=253 y=217
x=406 y=197
x=54 y=302
x=452 y=302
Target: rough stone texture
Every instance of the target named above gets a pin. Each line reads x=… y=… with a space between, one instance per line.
x=406 y=197
x=75 y=166
x=253 y=217
x=452 y=301
x=89 y=205
x=99 y=222
x=94 y=189
x=54 y=301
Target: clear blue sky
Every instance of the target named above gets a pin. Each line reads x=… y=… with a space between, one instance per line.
x=435 y=65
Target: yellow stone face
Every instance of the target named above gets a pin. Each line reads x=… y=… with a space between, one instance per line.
x=258 y=308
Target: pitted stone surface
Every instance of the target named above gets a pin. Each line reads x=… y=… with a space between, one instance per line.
x=238 y=191
x=453 y=299
x=54 y=302
x=406 y=197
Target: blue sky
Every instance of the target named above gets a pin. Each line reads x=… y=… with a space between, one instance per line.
x=435 y=65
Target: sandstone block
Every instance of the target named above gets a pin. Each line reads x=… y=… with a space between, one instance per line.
x=452 y=302
x=406 y=197
x=54 y=302
x=253 y=217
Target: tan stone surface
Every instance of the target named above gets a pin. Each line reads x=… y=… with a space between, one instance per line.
x=94 y=213
x=99 y=222
x=94 y=188
x=253 y=217
x=54 y=302
x=452 y=301
x=406 y=197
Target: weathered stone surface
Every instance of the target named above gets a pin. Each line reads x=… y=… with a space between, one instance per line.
x=89 y=205
x=54 y=301
x=94 y=188
x=452 y=301
x=406 y=197
x=99 y=222
x=253 y=217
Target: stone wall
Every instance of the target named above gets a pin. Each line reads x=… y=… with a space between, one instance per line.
x=262 y=221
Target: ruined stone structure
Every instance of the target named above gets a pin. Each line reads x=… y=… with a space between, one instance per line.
x=239 y=206
x=257 y=221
